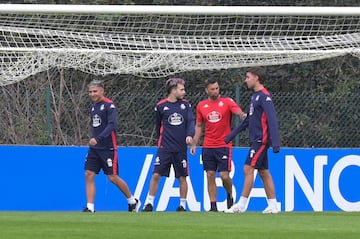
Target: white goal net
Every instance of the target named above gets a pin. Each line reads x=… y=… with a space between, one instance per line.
x=157 y=41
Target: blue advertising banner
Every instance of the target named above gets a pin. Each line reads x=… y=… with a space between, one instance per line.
x=51 y=178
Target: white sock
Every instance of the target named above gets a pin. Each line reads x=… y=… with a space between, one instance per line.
x=183 y=202
x=243 y=201
x=131 y=200
x=150 y=199
x=272 y=202
x=90 y=206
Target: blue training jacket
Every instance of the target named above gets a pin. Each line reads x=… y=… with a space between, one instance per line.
x=174 y=122
x=261 y=121
x=103 y=124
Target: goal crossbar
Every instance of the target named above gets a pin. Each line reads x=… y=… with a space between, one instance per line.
x=181 y=10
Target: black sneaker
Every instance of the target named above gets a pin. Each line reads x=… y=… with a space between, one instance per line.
x=180 y=209
x=87 y=210
x=148 y=208
x=213 y=210
x=230 y=202
x=134 y=207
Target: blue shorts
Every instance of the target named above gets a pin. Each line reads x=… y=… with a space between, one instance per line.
x=107 y=160
x=217 y=159
x=164 y=160
x=258 y=156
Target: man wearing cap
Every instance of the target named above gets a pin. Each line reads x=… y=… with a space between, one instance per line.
x=102 y=153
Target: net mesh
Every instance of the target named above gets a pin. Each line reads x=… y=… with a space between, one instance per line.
x=152 y=45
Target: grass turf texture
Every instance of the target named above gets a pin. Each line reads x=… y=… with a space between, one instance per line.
x=172 y=225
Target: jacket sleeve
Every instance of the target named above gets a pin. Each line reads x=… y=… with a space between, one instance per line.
x=157 y=121
x=239 y=128
x=190 y=126
x=270 y=112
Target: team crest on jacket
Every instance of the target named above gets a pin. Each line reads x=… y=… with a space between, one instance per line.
x=96 y=121
x=175 y=119
x=213 y=117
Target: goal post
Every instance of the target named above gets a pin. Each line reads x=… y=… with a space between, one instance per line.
x=158 y=41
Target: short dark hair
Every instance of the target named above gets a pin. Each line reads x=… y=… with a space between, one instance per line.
x=172 y=83
x=258 y=71
x=96 y=83
x=210 y=81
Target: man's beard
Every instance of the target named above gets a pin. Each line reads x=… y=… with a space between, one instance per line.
x=214 y=97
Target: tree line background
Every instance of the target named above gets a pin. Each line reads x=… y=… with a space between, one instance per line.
x=317 y=102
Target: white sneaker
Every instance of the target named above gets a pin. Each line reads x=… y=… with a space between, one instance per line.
x=135 y=207
x=270 y=209
x=138 y=205
x=236 y=208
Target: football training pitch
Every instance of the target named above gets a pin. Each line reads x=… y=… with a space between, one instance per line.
x=173 y=225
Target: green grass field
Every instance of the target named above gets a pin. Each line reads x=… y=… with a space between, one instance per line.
x=172 y=225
